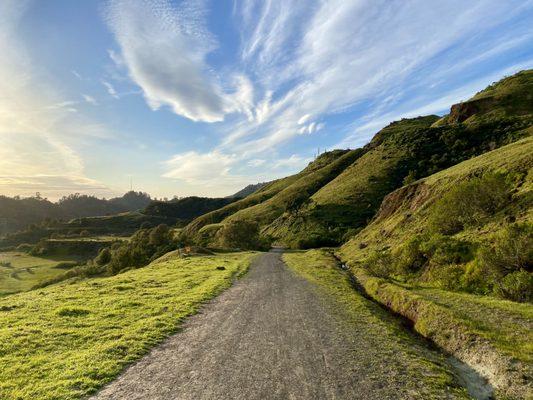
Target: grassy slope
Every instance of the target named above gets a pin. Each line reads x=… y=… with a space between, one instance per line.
x=485 y=332
x=299 y=191
x=353 y=195
x=419 y=365
x=411 y=145
x=26 y=271
x=66 y=341
x=267 y=193
x=405 y=211
x=261 y=195
x=488 y=334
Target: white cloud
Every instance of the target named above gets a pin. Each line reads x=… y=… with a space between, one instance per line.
x=193 y=167
x=164 y=50
x=304 y=119
x=256 y=162
x=293 y=162
x=300 y=63
x=89 y=99
x=110 y=89
x=322 y=58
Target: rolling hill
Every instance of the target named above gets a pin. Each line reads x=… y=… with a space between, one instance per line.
x=340 y=192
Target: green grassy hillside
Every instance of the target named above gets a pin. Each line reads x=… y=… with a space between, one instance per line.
x=67 y=340
x=20 y=271
x=318 y=171
x=339 y=193
x=399 y=154
x=437 y=231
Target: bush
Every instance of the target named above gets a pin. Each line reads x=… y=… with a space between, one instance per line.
x=410 y=257
x=509 y=261
x=448 y=277
x=478 y=278
x=469 y=203
x=104 y=257
x=240 y=234
x=144 y=246
x=380 y=263
x=512 y=250
x=25 y=247
x=516 y=286
x=444 y=250
x=66 y=265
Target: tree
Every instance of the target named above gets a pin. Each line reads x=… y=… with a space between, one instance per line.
x=240 y=234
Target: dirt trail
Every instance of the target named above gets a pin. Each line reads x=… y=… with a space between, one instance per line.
x=270 y=336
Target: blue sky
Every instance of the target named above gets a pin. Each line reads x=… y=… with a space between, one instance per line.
x=204 y=97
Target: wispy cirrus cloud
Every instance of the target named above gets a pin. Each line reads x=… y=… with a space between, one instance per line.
x=164 y=50
x=302 y=63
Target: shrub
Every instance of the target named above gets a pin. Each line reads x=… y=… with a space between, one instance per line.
x=469 y=203
x=516 y=286
x=512 y=250
x=410 y=178
x=66 y=265
x=478 y=278
x=144 y=246
x=104 y=257
x=159 y=235
x=241 y=234
x=444 y=250
x=448 y=277
x=509 y=261
x=25 y=247
x=410 y=257
x=380 y=263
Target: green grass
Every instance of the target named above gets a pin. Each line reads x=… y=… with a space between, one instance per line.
x=25 y=271
x=492 y=336
x=66 y=341
x=299 y=191
x=506 y=324
x=404 y=212
x=385 y=331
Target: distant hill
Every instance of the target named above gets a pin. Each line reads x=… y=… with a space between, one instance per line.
x=17 y=213
x=248 y=190
x=187 y=208
x=340 y=192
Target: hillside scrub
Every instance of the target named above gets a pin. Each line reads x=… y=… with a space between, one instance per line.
x=470 y=202
x=68 y=340
x=467 y=228
x=510 y=262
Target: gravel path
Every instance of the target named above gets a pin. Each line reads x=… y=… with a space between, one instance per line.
x=270 y=336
